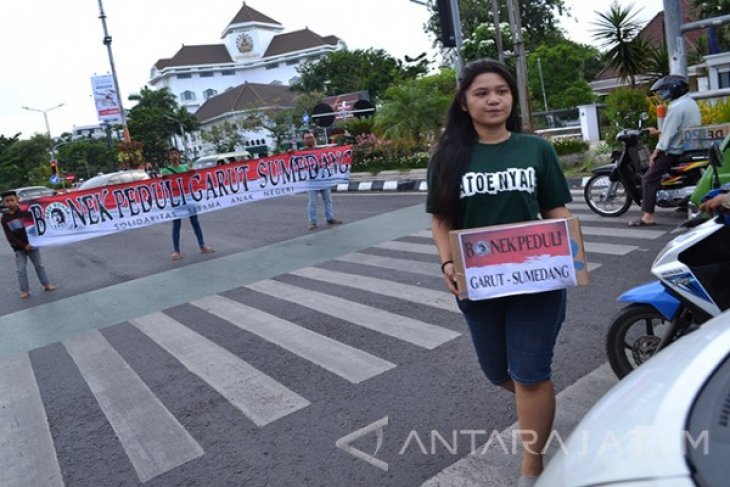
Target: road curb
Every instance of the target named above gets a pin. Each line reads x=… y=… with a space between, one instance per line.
x=367 y=182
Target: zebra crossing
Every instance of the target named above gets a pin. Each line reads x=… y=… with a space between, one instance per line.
x=156 y=442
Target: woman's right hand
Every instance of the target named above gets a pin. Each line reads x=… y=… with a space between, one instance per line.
x=450 y=278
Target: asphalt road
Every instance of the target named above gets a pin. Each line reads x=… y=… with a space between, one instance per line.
x=101 y=262
x=164 y=395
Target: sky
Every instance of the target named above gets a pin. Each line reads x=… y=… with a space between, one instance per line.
x=52 y=47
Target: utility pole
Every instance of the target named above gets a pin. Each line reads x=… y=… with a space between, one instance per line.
x=497 y=31
x=108 y=43
x=674 y=37
x=515 y=24
x=459 y=61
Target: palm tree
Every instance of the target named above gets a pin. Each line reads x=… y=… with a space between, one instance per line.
x=618 y=30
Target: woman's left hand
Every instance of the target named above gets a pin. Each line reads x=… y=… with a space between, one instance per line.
x=450 y=278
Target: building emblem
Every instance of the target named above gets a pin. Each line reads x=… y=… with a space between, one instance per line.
x=244 y=43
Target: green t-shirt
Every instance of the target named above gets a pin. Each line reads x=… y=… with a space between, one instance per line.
x=507 y=182
x=175 y=170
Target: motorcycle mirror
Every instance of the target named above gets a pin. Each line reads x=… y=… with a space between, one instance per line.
x=714 y=155
x=644 y=116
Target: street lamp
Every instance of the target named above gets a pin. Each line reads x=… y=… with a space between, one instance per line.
x=51 y=148
x=45 y=115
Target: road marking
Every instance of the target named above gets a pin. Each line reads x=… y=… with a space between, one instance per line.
x=423 y=234
x=154 y=440
x=420 y=295
x=622 y=232
x=493 y=465
x=262 y=399
x=407 y=329
x=365 y=186
x=390 y=185
x=429 y=249
x=605 y=248
x=27 y=454
x=391 y=263
x=348 y=362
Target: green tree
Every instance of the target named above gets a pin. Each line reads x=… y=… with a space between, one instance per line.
x=345 y=71
x=618 y=31
x=155 y=118
x=563 y=68
x=24 y=162
x=539 y=19
x=224 y=136
x=86 y=158
x=482 y=41
x=415 y=110
x=624 y=108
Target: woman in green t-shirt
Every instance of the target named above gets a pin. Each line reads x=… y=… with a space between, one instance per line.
x=485 y=172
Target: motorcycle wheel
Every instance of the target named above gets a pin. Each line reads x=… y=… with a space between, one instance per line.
x=633 y=337
x=606 y=197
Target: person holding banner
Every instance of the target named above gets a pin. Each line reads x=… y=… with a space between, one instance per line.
x=484 y=172
x=14 y=228
x=175 y=167
x=329 y=214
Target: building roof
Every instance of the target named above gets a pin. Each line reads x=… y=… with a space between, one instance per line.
x=298 y=40
x=247 y=96
x=331 y=40
x=248 y=14
x=196 y=55
x=653 y=34
x=162 y=63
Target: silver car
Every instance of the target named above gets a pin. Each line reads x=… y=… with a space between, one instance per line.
x=666 y=424
x=115 y=178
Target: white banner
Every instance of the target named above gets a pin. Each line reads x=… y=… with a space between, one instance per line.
x=106 y=99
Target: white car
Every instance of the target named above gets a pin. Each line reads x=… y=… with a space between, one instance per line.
x=115 y=178
x=220 y=159
x=666 y=424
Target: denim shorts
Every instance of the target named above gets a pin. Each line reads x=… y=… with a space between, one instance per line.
x=514 y=336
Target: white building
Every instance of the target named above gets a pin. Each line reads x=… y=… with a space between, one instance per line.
x=255 y=50
x=92 y=132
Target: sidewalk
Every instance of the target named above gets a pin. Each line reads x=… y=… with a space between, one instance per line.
x=409 y=180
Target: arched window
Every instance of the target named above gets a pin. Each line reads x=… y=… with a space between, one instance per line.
x=209 y=92
x=188 y=95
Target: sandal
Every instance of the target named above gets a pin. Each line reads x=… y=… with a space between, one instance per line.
x=176 y=256
x=640 y=223
x=50 y=288
x=24 y=295
x=206 y=250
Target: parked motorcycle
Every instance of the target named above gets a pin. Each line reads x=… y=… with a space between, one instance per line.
x=715 y=176
x=693 y=286
x=614 y=187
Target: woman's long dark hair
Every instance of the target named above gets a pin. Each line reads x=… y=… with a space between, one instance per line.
x=453 y=151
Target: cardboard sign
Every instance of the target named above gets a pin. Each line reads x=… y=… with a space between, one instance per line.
x=520 y=258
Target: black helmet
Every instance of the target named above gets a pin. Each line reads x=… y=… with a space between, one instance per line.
x=670 y=87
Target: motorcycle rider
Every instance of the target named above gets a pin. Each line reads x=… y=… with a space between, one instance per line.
x=682 y=113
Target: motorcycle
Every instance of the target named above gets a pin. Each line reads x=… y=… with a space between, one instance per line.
x=717 y=175
x=693 y=286
x=614 y=187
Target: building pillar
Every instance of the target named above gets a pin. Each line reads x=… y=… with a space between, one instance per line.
x=589 y=127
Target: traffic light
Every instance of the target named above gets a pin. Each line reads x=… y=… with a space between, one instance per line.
x=54 y=167
x=446 y=23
